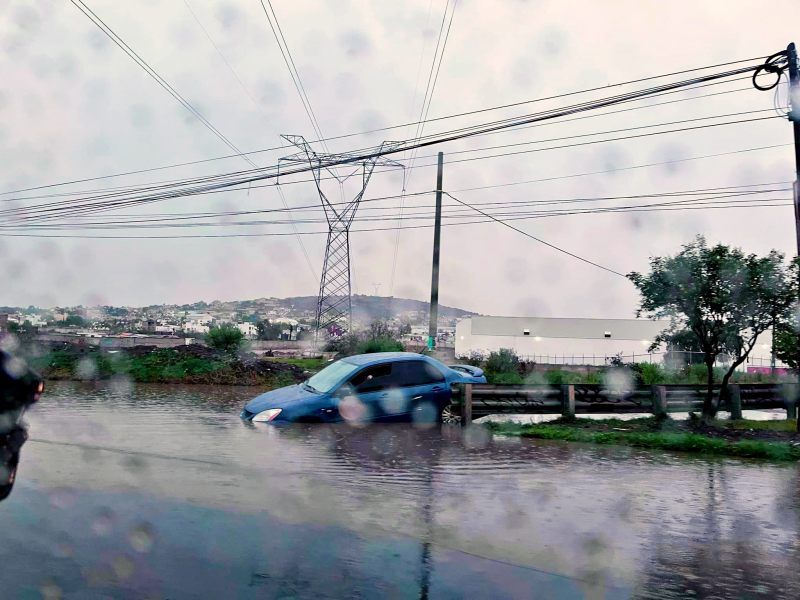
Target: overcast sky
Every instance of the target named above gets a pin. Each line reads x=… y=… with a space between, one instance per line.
x=73 y=106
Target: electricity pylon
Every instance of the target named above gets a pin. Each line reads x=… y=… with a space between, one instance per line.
x=334 y=305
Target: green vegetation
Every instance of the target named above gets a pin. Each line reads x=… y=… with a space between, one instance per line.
x=379 y=338
x=504 y=367
x=183 y=364
x=269 y=331
x=771 y=440
x=225 y=338
x=384 y=344
x=718 y=300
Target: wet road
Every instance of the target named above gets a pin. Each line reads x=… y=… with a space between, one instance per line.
x=161 y=492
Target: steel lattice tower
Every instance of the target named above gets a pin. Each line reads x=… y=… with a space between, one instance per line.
x=334 y=305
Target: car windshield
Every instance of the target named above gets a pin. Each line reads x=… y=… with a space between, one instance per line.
x=326 y=380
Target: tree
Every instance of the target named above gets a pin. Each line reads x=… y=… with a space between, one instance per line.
x=75 y=321
x=268 y=331
x=226 y=338
x=379 y=330
x=786 y=338
x=720 y=296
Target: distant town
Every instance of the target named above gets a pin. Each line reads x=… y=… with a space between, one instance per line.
x=269 y=319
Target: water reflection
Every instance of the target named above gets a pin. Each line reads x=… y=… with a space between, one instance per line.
x=162 y=491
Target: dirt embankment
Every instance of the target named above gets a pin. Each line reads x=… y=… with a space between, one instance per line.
x=182 y=364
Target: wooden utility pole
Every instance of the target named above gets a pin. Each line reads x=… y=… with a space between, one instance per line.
x=437 y=233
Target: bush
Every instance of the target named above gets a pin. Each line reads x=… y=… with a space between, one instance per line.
x=383 y=344
x=225 y=338
x=504 y=360
x=505 y=378
x=559 y=377
x=475 y=359
x=343 y=345
x=648 y=374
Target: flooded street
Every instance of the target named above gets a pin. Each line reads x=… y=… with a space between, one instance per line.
x=162 y=492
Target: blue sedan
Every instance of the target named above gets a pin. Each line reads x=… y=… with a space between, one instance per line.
x=386 y=386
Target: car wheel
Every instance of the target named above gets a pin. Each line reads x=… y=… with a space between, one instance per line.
x=451 y=415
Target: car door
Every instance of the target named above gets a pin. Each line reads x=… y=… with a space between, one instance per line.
x=424 y=388
x=372 y=388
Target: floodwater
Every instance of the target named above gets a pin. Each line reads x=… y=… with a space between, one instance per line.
x=162 y=492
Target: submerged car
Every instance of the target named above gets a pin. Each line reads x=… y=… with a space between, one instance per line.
x=386 y=386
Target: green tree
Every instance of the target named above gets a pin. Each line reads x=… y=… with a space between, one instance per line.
x=786 y=337
x=724 y=298
x=226 y=338
x=268 y=331
x=75 y=321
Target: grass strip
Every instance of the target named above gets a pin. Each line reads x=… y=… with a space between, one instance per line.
x=654 y=440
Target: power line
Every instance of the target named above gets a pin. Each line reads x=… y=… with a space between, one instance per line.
x=726 y=201
x=219 y=182
x=277 y=32
x=224 y=60
x=285 y=146
x=98 y=22
x=118 y=204
x=171 y=181
x=71 y=208
x=372 y=230
x=430 y=87
x=715 y=193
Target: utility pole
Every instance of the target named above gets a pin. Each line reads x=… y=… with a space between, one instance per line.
x=437 y=234
x=794 y=117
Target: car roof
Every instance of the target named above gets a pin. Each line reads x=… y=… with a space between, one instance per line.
x=379 y=357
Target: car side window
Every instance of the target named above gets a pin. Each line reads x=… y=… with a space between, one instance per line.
x=373 y=378
x=417 y=372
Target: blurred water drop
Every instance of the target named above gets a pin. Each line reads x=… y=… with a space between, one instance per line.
x=86 y=368
x=141 y=537
x=123 y=567
x=476 y=437
x=15 y=367
x=51 y=591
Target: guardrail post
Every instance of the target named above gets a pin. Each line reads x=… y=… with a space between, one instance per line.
x=791 y=408
x=568 y=401
x=735 y=400
x=790 y=398
x=466 y=417
x=659 y=401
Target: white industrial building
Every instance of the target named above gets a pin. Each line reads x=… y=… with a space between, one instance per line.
x=576 y=341
x=559 y=341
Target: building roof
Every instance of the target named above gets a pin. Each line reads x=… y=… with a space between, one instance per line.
x=620 y=329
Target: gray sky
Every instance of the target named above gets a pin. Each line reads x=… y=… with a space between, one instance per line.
x=73 y=105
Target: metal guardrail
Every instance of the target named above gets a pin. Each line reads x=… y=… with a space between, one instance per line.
x=478 y=400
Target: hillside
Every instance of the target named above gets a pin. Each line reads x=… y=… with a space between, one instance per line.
x=371 y=308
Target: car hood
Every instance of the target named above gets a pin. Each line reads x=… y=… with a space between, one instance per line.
x=280 y=398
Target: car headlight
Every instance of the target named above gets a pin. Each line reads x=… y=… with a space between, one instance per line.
x=265 y=416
